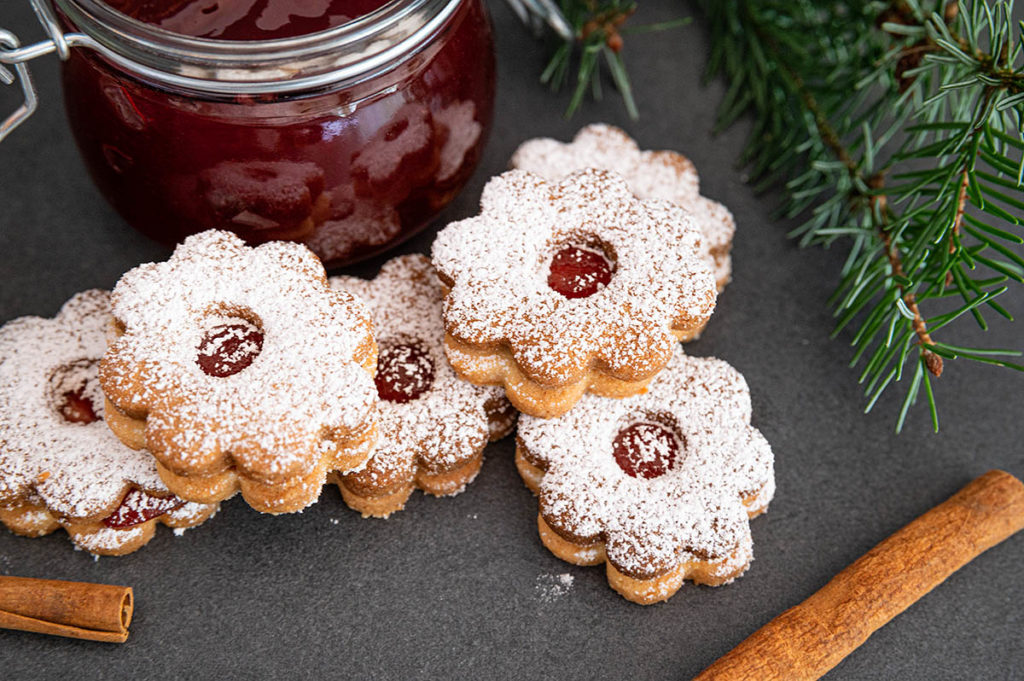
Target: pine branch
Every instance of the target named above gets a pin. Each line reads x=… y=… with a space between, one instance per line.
x=599 y=27
x=897 y=128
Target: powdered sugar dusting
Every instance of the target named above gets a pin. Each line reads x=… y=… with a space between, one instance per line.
x=651 y=175
x=108 y=539
x=446 y=425
x=497 y=264
x=552 y=587
x=75 y=470
x=694 y=511
x=276 y=416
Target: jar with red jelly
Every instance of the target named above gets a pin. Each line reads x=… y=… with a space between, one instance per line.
x=343 y=124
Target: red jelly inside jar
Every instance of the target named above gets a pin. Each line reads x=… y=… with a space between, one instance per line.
x=350 y=168
x=245 y=19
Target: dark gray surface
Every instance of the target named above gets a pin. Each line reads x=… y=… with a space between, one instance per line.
x=454 y=586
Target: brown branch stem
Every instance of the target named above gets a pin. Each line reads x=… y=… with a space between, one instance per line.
x=931 y=360
x=961 y=206
x=879 y=206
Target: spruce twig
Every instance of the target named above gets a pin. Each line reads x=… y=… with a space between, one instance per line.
x=922 y=94
x=599 y=27
x=894 y=127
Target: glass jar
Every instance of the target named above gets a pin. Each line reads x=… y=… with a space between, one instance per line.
x=348 y=140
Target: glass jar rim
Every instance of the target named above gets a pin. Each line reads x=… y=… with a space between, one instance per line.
x=350 y=52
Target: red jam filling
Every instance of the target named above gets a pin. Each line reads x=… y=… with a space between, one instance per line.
x=227 y=349
x=138 y=507
x=349 y=170
x=75 y=407
x=245 y=19
x=404 y=372
x=646 y=450
x=579 y=272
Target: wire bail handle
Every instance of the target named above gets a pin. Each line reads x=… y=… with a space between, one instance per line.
x=12 y=53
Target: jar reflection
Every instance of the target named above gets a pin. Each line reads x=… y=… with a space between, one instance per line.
x=350 y=171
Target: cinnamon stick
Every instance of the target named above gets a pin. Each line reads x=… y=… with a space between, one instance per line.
x=806 y=641
x=95 y=612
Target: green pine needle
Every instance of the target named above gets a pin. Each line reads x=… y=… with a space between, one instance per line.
x=906 y=119
x=599 y=27
x=895 y=128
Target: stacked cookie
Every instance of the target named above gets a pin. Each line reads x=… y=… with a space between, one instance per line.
x=572 y=288
x=230 y=369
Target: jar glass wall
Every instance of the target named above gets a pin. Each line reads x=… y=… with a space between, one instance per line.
x=350 y=168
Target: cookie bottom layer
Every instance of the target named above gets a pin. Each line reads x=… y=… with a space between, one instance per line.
x=35 y=520
x=443 y=484
x=295 y=495
x=501 y=418
x=490 y=366
x=644 y=591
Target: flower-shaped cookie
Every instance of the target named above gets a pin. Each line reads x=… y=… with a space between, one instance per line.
x=560 y=288
x=60 y=466
x=651 y=175
x=659 y=486
x=240 y=368
x=433 y=425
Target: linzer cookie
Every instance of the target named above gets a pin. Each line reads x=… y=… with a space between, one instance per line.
x=433 y=425
x=60 y=466
x=556 y=289
x=651 y=175
x=659 y=487
x=241 y=369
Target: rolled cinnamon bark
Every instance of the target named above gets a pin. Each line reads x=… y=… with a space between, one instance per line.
x=808 y=640
x=96 y=612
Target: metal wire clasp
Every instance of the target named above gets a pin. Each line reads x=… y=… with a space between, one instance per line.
x=535 y=14
x=11 y=52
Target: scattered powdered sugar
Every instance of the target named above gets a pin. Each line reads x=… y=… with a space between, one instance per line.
x=76 y=470
x=695 y=509
x=448 y=424
x=276 y=416
x=497 y=265
x=663 y=175
x=552 y=587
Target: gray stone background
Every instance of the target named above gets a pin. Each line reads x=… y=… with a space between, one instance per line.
x=459 y=587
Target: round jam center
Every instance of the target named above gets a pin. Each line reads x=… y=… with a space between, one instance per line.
x=645 y=450
x=227 y=349
x=245 y=19
x=579 y=272
x=138 y=507
x=404 y=372
x=75 y=407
